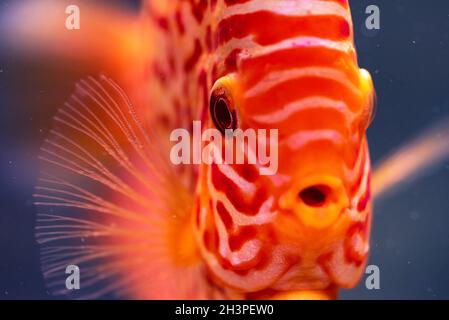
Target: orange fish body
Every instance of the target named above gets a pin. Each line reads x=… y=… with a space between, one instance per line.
x=114 y=205
x=306 y=228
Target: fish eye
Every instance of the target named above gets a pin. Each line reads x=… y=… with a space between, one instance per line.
x=373 y=109
x=369 y=111
x=222 y=110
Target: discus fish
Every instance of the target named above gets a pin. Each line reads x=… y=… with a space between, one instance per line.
x=138 y=227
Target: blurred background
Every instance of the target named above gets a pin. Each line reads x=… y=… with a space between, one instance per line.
x=408 y=59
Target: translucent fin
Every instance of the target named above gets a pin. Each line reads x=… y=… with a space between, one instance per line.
x=412 y=160
x=110 y=203
x=109 y=38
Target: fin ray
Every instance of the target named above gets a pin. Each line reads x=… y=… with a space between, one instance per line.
x=110 y=202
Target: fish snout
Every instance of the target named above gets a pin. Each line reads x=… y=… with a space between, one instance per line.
x=317 y=201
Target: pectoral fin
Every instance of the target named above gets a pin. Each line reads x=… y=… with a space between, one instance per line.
x=111 y=203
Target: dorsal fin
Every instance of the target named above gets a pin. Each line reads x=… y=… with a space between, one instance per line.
x=110 y=203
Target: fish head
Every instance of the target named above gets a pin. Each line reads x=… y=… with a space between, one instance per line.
x=296 y=214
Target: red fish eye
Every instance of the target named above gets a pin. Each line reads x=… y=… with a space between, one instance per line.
x=222 y=115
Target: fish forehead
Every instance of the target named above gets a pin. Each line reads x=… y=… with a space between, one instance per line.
x=259 y=27
x=215 y=38
x=305 y=57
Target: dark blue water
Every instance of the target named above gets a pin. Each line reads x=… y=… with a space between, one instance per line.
x=409 y=60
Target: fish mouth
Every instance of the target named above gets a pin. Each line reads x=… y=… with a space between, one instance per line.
x=317 y=201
